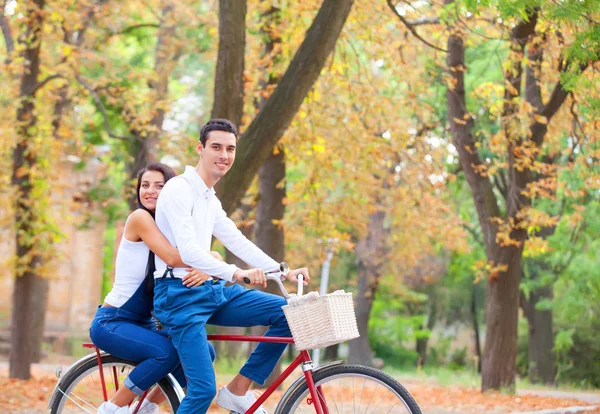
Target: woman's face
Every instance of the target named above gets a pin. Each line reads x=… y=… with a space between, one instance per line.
x=150 y=188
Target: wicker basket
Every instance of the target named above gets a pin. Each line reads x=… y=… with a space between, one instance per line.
x=320 y=321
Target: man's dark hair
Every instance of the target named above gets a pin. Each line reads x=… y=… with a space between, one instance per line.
x=216 y=125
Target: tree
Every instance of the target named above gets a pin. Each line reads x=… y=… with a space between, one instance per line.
x=532 y=95
x=30 y=287
x=273 y=119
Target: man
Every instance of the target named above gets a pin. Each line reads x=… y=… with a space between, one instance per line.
x=188 y=213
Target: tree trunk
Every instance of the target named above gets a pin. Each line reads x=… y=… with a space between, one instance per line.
x=370 y=255
x=502 y=314
x=421 y=347
x=268 y=234
x=39 y=297
x=271 y=122
x=476 y=328
x=541 y=337
x=27 y=283
x=331 y=352
x=229 y=73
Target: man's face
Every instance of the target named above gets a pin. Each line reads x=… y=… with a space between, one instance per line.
x=217 y=156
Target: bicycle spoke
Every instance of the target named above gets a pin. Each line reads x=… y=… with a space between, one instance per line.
x=75 y=402
x=353 y=385
x=82 y=392
x=372 y=395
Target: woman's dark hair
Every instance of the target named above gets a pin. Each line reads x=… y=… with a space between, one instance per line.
x=167 y=173
x=164 y=169
x=216 y=125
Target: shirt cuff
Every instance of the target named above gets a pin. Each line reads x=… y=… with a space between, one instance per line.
x=228 y=274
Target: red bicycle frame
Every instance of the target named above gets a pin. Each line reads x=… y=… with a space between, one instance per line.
x=303 y=359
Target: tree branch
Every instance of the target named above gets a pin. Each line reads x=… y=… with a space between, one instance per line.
x=41 y=84
x=411 y=27
x=6 y=31
x=533 y=92
x=277 y=114
x=102 y=109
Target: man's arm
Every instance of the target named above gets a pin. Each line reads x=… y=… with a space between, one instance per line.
x=175 y=204
x=233 y=239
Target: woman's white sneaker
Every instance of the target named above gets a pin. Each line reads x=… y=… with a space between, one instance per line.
x=110 y=408
x=236 y=403
x=146 y=408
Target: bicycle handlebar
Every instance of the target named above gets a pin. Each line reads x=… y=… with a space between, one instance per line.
x=276 y=278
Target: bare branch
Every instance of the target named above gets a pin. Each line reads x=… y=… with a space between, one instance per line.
x=41 y=84
x=423 y=21
x=411 y=28
x=102 y=109
x=559 y=94
x=473 y=232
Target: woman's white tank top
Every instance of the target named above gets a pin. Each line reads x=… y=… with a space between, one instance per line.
x=130 y=270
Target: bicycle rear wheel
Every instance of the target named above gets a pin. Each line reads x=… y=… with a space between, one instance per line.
x=80 y=390
x=351 y=389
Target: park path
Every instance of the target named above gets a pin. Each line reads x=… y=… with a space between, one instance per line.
x=434 y=398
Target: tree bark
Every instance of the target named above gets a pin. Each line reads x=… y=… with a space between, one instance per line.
x=27 y=284
x=331 y=352
x=268 y=234
x=421 y=346
x=271 y=122
x=541 y=367
x=476 y=328
x=370 y=255
x=229 y=74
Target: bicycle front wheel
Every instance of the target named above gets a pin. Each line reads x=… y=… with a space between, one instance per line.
x=351 y=389
x=80 y=390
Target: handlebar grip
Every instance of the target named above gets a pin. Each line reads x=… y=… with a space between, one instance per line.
x=246 y=281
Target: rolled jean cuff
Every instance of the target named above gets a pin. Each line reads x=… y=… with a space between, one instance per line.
x=132 y=387
x=249 y=374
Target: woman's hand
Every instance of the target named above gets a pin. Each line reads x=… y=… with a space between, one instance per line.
x=194 y=277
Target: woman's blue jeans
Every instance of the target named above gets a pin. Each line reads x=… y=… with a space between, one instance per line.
x=184 y=313
x=132 y=337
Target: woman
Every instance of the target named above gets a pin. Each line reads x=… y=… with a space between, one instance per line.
x=123 y=325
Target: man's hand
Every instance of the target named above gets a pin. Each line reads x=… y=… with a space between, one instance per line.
x=292 y=275
x=254 y=276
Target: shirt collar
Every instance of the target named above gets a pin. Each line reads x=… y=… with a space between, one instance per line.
x=196 y=181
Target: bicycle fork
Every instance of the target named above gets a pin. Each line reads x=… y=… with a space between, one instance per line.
x=317 y=398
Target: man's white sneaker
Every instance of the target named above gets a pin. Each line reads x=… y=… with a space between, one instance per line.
x=146 y=408
x=110 y=408
x=235 y=403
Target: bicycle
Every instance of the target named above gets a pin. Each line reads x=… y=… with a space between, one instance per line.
x=324 y=389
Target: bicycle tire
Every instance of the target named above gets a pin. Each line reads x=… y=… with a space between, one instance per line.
x=76 y=373
x=291 y=402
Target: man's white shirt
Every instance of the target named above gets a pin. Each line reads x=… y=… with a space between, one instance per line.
x=189 y=213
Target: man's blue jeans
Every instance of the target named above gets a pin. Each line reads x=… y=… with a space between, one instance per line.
x=184 y=313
